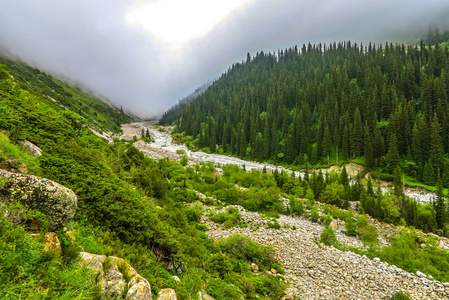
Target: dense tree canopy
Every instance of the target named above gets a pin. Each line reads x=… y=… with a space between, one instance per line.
x=327 y=103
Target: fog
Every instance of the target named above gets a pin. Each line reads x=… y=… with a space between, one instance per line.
x=146 y=55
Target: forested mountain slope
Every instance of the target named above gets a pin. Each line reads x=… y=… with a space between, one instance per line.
x=325 y=103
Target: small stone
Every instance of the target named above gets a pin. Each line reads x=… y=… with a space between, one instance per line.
x=254 y=267
x=287 y=296
x=421 y=274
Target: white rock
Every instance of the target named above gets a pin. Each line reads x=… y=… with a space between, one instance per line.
x=421 y=274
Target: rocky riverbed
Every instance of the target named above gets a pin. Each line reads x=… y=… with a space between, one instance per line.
x=162 y=145
x=315 y=271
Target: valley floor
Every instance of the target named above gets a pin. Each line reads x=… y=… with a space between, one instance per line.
x=312 y=270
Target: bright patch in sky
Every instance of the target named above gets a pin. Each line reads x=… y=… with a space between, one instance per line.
x=175 y=23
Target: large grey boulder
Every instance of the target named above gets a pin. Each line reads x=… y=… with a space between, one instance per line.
x=55 y=201
x=31 y=148
x=113 y=279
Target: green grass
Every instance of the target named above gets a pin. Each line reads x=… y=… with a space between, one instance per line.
x=412 y=182
x=359 y=160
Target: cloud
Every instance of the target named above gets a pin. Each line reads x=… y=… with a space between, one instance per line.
x=109 y=47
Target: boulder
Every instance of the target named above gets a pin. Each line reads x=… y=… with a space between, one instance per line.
x=31 y=148
x=55 y=201
x=334 y=225
x=51 y=242
x=166 y=294
x=13 y=165
x=421 y=274
x=113 y=281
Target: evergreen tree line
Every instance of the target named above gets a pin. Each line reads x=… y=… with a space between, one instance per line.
x=328 y=103
x=393 y=207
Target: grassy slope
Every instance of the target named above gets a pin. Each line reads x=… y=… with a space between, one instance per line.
x=99 y=114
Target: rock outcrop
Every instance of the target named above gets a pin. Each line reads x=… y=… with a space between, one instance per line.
x=57 y=202
x=117 y=276
x=166 y=294
x=31 y=148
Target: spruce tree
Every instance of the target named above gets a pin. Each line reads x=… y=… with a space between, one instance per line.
x=397 y=182
x=393 y=154
x=327 y=143
x=429 y=173
x=440 y=207
x=436 y=147
x=368 y=149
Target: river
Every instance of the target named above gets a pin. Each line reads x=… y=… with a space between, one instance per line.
x=162 y=141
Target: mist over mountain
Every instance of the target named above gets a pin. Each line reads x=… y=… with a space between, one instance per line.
x=147 y=68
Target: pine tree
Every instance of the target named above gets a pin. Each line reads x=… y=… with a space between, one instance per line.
x=393 y=154
x=440 y=207
x=344 y=178
x=368 y=149
x=327 y=143
x=397 y=182
x=346 y=146
x=357 y=136
x=429 y=173
x=436 y=147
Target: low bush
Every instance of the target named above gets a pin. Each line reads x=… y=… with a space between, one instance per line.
x=241 y=247
x=328 y=237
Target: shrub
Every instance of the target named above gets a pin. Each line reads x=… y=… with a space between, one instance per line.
x=368 y=234
x=362 y=220
x=326 y=219
x=222 y=290
x=400 y=296
x=296 y=206
x=328 y=237
x=274 y=225
x=270 y=286
x=184 y=160
x=229 y=218
x=350 y=224
x=337 y=213
x=202 y=227
x=314 y=215
x=241 y=247
x=326 y=209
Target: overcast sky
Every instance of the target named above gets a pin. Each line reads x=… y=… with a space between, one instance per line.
x=147 y=54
